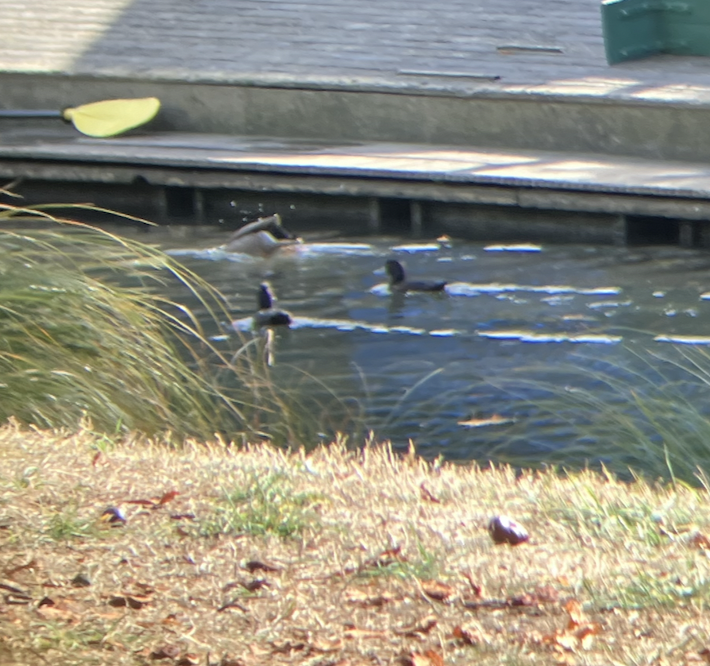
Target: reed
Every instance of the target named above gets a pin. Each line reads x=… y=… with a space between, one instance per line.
x=85 y=333
x=649 y=415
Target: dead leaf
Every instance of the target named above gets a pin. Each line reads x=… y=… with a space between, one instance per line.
x=11 y=571
x=233 y=603
x=363 y=599
x=136 y=602
x=437 y=590
x=699 y=540
x=493 y=420
x=385 y=558
x=255 y=584
x=434 y=657
x=167 y=497
x=255 y=565
x=166 y=652
x=427 y=495
x=429 y=658
x=476 y=587
x=705 y=655
x=80 y=580
x=141 y=502
x=576 y=615
x=14 y=590
x=421 y=628
x=351 y=631
x=467 y=635
x=286 y=647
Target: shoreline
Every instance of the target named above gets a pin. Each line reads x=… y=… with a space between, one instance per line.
x=253 y=556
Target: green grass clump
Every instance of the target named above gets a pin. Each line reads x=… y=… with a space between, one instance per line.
x=85 y=333
x=263 y=505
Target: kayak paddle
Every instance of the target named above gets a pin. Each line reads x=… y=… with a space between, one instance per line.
x=99 y=119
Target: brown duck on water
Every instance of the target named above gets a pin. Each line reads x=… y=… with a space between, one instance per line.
x=261 y=238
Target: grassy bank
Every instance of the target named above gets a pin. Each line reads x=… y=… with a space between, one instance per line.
x=336 y=557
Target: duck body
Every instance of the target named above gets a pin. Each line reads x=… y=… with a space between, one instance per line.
x=261 y=238
x=267 y=314
x=400 y=283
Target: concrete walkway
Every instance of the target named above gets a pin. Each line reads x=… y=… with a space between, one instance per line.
x=477 y=93
x=465 y=46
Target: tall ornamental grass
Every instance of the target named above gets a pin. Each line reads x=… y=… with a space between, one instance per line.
x=84 y=332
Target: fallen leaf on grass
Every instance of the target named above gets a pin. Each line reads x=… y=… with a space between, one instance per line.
x=255 y=565
x=233 y=603
x=254 y=585
x=80 y=580
x=58 y=609
x=699 y=540
x=363 y=599
x=156 y=502
x=287 y=647
x=428 y=658
x=385 y=558
x=437 y=590
x=351 y=631
x=468 y=634
x=136 y=602
x=166 y=652
x=11 y=571
x=427 y=495
x=476 y=587
x=579 y=633
x=168 y=497
x=420 y=629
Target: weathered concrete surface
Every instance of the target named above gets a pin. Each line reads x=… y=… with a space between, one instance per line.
x=410 y=172
x=376 y=70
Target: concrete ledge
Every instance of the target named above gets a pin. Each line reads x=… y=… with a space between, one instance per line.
x=679 y=131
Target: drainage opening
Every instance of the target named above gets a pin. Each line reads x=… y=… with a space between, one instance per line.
x=395 y=214
x=645 y=230
x=180 y=201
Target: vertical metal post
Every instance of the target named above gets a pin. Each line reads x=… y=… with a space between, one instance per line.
x=620 y=231
x=199 y=205
x=416 y=216
x=161 y=204
x=375 y=216
x=686 y=234
x=703 y=234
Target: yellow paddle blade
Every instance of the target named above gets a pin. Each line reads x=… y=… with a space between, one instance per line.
x=113 y=116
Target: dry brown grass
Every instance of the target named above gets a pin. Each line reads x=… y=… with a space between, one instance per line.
x=376 y=559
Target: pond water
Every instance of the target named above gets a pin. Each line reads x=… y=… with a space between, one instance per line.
x=470 y=373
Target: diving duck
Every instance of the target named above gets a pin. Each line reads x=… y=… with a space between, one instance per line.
x=399 y=282
x=261 y=238
x=267 y=315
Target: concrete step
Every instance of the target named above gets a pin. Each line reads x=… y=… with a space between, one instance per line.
x=474 y=191
x=574 y=117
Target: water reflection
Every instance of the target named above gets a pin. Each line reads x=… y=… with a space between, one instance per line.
x=471 y=373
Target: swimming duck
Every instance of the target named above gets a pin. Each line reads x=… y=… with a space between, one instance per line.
x=267 y=315
x=399 y=282
x=261 y=238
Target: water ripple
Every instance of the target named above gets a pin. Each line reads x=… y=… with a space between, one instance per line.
x=529 y=336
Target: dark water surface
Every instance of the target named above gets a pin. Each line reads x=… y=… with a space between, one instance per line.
x=462 y=373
